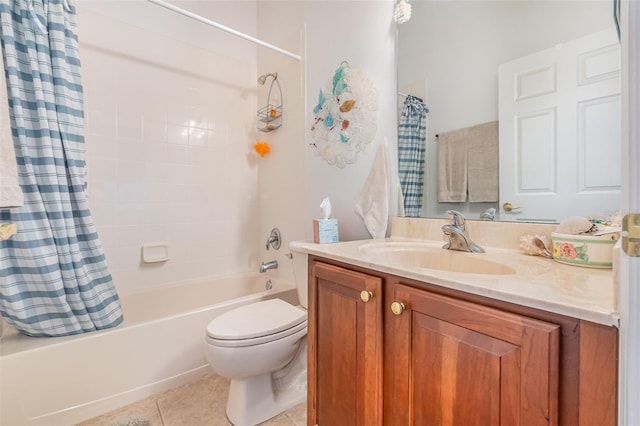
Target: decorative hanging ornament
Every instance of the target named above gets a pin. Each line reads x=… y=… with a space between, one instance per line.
x=344 y=116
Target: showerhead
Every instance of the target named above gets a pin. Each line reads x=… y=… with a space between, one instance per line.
x=263 y=78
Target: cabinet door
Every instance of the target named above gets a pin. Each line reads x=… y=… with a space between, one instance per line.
x=454 y=362
x=345 y=347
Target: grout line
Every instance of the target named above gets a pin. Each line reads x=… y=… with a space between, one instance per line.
x=155 y=401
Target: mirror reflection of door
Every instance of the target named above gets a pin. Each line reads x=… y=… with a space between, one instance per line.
x=554 y=104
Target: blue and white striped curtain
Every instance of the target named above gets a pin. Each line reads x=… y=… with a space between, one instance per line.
x=412 y=134
x=53 y=274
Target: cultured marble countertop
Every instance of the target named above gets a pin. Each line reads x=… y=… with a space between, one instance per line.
x=584 y=293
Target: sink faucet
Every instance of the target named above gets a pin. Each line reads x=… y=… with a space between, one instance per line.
x=265 y=266
x=488 y=214
x=458 y=236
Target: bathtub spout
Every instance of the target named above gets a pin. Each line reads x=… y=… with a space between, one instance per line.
x=265 y=266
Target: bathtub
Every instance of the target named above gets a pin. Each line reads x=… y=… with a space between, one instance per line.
x=64 y=380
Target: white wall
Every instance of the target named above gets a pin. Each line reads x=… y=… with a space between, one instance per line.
x=295 y=180
x=460 y=46
x=170 y=109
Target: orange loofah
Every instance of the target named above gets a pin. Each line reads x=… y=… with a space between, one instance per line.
x=261 y=148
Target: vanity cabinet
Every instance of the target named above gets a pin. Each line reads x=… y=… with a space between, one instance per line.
x=344 y=347
x=459 y=363
x=384 y=350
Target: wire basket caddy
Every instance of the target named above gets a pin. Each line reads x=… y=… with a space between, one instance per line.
x=270 y=114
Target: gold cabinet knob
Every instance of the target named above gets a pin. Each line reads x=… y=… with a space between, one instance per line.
x=509 y=207
x=365 y=295
x=397 y=308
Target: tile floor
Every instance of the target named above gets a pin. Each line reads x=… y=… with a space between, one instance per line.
x=200 y=403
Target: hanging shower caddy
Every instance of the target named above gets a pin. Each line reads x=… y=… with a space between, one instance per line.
x=271 y=113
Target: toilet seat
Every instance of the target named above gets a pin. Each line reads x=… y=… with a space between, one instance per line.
x=256 y=323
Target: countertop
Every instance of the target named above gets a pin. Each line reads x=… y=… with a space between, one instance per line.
x=584 y=293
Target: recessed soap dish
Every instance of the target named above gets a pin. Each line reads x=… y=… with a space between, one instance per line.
x=155 y=252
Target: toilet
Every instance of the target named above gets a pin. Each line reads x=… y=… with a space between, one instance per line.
x=262 y=348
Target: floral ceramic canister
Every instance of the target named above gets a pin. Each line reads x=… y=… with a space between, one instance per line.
x=584 y=250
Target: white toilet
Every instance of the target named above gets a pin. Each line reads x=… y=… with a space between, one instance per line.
x=262 y=348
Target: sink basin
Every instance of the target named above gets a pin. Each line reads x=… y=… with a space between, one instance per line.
x=421 y=255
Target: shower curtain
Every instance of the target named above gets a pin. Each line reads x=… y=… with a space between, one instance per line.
x=412 y=132
x=53 y=274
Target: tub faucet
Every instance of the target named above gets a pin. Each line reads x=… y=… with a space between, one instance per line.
x=458 y=235
x=265 y=266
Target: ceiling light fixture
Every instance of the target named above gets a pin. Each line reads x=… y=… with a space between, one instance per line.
x=402 y=11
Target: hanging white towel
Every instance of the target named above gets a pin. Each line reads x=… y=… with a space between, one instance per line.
x=10 y=192
x=482 y=162
x=452 y=166
x=373 y=203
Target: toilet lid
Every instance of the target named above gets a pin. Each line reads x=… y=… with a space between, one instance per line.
x=256 y=320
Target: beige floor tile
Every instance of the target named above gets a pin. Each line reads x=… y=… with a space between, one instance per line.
x=298 y=414
x=201 y=403
x=131 y=415
x=279 y=420
x=195 y=404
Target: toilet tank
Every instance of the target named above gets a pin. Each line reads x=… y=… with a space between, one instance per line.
x=300 y=273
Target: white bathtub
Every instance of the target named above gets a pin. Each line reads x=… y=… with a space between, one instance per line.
x=64 y=380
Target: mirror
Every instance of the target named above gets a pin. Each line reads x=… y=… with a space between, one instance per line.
x=449 y=53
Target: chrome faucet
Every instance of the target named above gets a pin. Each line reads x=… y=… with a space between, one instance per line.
x=265 y=266
x=488 y=214
x=458 y=235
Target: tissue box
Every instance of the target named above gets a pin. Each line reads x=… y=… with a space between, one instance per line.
x=325 y=231
x=584 y=250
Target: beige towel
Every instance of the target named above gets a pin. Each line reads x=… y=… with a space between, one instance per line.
x=373 y=203
x=482 y=162
x=452 y=166
x=10 y=192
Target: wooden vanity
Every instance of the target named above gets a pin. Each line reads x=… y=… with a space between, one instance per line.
x=391 y=349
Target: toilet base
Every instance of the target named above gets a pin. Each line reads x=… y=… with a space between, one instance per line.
x=256 y=399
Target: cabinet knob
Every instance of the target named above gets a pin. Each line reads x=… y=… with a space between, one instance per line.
x=397 y=308
x=366 y=295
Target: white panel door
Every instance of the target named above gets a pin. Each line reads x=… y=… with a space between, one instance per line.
x=560 y=130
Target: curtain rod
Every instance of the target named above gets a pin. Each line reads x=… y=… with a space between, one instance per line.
x=223 y=28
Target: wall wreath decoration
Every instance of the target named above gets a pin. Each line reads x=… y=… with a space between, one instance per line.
x=344 y=116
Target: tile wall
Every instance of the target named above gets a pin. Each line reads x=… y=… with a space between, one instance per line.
x=169 y=134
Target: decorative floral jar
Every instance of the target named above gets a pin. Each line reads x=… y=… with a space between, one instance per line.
x=592 y=251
